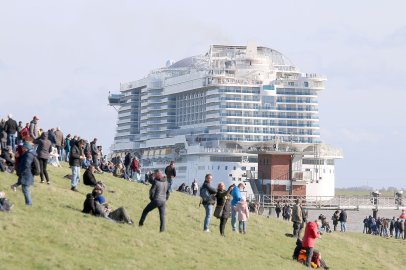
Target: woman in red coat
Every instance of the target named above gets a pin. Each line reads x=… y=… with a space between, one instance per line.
x=309 y=238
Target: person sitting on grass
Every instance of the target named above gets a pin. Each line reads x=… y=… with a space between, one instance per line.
x=88 y=176
x=5 y=205
x=93 y=206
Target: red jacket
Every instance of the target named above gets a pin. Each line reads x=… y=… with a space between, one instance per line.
x=310 y=234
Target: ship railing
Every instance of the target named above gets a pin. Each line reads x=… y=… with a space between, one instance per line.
x=329 y=202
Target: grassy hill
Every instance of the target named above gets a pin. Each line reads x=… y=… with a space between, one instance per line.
x=54 y=234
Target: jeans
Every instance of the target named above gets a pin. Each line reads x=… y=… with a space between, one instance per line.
x=208 y=209
x=151 y=206
x=59 y=149
x=296 y=228
x=242 y=226
x=234 y=217
x=343 y=226
x=309 y=255
x=223 y=222
x=43 y=169
x=75 y=176
x=170 y=184
x=11 y=141
x=67 y=156
x=27 y=196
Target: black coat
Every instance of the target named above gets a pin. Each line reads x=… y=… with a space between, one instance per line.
x=89 y=179
x=11 y=126
x=224 y=199
x=211 y=190
x=75 y=153
x=343 y=216
x=170 y=172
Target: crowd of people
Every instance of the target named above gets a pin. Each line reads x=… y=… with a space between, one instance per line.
x=386 y=227
x=27 y=151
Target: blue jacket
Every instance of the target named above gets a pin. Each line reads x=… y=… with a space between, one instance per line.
x=236 y=196
x=24 y=168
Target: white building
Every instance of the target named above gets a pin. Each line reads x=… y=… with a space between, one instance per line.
x=208 y=112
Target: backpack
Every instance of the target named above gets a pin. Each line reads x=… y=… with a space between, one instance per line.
x=205 y=195
x=35 y=168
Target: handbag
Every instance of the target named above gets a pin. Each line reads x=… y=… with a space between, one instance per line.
x=218 y=212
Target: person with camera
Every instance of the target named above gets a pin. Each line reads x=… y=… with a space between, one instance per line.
x=223 y=207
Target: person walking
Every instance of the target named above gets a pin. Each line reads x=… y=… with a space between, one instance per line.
x=223 y=207
x=207 y=193
x=170 y=172
x=158 y=195
x=343 y=220
x=297 y=218
x=25 y=177
x=43 y=150
x=236 y=193
x=75 y=158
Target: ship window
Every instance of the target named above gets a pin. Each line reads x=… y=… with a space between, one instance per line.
x=306 y=84
x=226 y=168
x=236 y=168
x=233 y=178
x=252 y=168
x=243 y=168
x=218 y=168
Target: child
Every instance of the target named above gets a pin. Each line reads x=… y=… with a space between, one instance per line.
x=243 y=214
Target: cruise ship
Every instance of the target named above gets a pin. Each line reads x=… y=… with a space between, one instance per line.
x=220 y=112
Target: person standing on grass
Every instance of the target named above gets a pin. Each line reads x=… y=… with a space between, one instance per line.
x=11 y=128
x=76 y=156
x=195 y=187
x=25 y=177
x=278 y=209
x=309 y=239
x=236 y=193
x=59 y=142
x=335 y=218
x=170 y=172
x=297 y=218
x=67 y=147
x=158 y=194
x=207 y=193
x=343 y=220
x=223 y=207
x=243 y=215
x=34 y=129
x=43 y=150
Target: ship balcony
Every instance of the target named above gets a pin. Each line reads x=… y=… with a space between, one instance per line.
x=115 y=99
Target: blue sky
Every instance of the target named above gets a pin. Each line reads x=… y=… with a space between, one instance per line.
x=59 y=59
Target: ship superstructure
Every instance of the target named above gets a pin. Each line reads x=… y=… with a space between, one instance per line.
x=210 y=112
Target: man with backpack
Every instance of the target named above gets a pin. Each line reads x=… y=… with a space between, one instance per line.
x=207 y=193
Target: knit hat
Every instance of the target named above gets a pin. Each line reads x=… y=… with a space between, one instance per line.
x=27 y=145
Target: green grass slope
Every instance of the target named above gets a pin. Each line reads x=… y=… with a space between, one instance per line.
x=54 y=234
